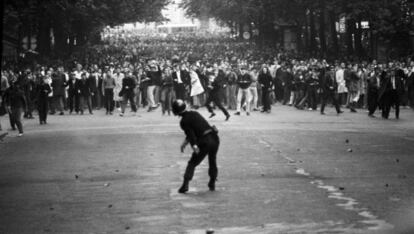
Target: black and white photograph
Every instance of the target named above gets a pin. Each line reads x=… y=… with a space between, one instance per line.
x=207 y=117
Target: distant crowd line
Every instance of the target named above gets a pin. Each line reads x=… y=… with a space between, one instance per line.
x=230 y=76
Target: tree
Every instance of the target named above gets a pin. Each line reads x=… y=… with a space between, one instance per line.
x=79 y=20
x=389 y=20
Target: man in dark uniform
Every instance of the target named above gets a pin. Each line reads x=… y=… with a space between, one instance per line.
x=329 y=88
x=204 y=140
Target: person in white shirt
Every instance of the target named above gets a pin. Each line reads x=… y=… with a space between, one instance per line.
x=340 y=80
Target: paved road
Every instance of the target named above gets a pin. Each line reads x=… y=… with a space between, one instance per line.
x=287 y=172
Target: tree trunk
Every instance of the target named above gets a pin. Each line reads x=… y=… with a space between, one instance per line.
x=322 y=36
x=43 y=40
x=306 y=37
x=358 y=40
x=334 y=34
x=350 y=29
x=312 y=33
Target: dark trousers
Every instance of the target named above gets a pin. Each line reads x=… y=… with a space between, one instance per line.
x=57 y=103
x=30 y=106
x=208 y=145
x=15 y=117
x=128 y=96
x=325 y=98
x=410 y=94
x=372 y=101
x=167 y=95
x=180 y=91
x=73 y=100
x=109 y=100
x=391 y=98
x=286 y=94
x=82 y=101
x=214 y=97
x=312 y=97
x=42 y=107
x=266 y=99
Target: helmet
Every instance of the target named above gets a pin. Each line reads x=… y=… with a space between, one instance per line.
x=178 y=106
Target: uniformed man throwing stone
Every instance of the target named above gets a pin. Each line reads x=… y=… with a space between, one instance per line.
x=204 y=140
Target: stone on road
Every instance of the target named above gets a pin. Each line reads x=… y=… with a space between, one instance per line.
x=286 y=172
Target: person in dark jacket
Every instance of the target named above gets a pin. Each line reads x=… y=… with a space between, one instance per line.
x=287 y=78
x=181 y=80
x=216 y=87
x=266 y=81
x=373 y=91
x=329 y=90
x=392 y=86
x=204 y=141
x=128 y=92
x=108 y=85
x=27 y=84
x=153 y=90
x=73 y=94
x=16 y=104
x=84 y=92
x=243 y=80
x=43 y=91
x=58 y=88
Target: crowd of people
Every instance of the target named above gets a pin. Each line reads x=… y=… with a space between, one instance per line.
x=150 y=73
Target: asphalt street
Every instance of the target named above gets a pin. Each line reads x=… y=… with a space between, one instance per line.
x=289 y=171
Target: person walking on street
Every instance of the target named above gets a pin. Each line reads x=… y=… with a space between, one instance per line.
x=244 y=80
x=84 y=94
x=43 y=91
x=373 y=91
x=329 y=90
x=108 y=85
x=167 y=90
x=216 y=88
x=266 y=81
x=58 y=87
x=204 y=141
x=127 y=92
x=16 y=105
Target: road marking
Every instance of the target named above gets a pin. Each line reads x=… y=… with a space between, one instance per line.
x=347 y=203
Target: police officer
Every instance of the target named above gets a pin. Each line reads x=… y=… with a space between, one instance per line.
x=204 y=140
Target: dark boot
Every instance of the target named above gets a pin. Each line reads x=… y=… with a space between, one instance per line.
x=212 y=184
x=184 y=187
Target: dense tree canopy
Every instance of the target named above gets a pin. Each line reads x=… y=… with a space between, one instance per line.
x=74 y=21
x=314 y=20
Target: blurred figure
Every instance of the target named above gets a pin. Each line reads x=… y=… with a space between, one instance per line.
x=167 y=90
x=244 y=80
x=329 y=90
x=108 y=86
x=265 y=80
x=58 y=88
x=216 y=88
x=127 y=92
x=43 y=91
x=16 y=105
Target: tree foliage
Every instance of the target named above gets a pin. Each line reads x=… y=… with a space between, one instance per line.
x=81 y=19
x=386 y=17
